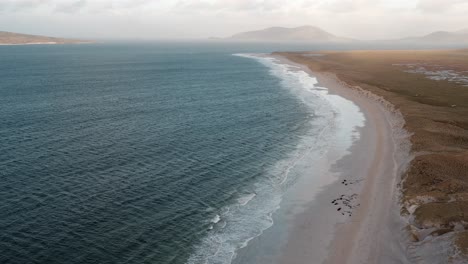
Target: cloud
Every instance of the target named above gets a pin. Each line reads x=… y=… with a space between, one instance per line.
x=203 y=18
x=438 y=6
x=16 y=5
x=70 y=7
x=284 y=6
x=340 y=6
x=229 y=5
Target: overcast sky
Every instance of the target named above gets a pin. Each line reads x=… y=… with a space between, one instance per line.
x=162 y=19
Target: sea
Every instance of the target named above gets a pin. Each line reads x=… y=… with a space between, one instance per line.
x=181 y=153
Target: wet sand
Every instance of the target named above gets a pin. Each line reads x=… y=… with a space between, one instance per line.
x=374 y=233
x=356 y=218
x=429 y=88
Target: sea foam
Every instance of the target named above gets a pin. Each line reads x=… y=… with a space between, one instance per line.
x=250 y=215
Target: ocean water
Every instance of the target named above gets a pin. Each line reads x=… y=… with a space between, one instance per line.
x=149 y=153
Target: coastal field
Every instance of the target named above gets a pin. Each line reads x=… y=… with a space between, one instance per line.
x=430 y=88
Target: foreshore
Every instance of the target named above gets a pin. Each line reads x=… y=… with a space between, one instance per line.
x=372 y=232
x=423 y=217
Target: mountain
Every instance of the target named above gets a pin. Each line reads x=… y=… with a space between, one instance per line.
x=456 y=37
x=463 y=31
x=282 y=34
x=9 y=38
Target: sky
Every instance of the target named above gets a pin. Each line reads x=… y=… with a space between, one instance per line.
x=193 y=19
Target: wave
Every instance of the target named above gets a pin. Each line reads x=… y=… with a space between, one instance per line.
x=249 y=215
x=246 y=199
x=216 y=219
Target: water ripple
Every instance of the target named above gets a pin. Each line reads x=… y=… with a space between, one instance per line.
x=105 y=158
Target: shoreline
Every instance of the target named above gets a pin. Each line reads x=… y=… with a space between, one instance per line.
x=374 y=232
x=429 y=90
x=335 y=126
x=44 y=43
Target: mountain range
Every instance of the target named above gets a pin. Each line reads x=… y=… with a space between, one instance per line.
x=305 y=34
x=282 y=34
x=460 y=36
x=317 y=35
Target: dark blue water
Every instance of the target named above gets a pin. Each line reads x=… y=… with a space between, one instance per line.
x=126 y=153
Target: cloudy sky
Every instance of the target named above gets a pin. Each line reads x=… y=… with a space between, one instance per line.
x=168 y=19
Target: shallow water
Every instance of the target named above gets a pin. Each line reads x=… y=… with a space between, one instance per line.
x=335 y=127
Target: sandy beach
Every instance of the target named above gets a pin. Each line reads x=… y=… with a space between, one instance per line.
x=429 y=210
x=372 y=231
x=372 y=235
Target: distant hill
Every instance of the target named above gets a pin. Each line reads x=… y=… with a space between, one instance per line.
x=282 y=34
x=463 y=31
x=455 y=37
x=16 y=38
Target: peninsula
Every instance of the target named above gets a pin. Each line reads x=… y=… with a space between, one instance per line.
x=10 y=38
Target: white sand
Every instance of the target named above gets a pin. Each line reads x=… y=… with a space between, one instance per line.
x=374 y=233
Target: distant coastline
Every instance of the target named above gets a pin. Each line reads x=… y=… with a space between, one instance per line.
x=10 y=38
x=41 y=43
